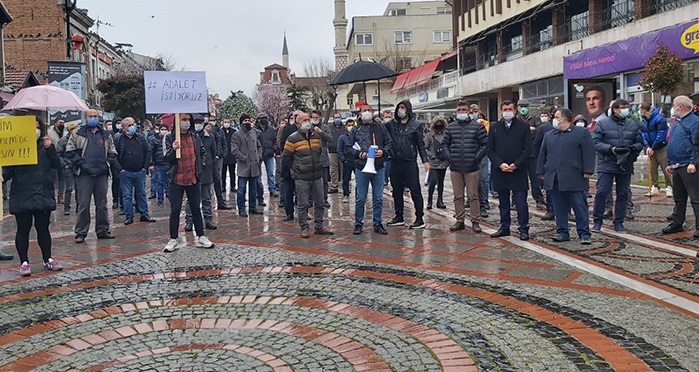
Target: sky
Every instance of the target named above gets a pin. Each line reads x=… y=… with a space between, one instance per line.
x=232 y=40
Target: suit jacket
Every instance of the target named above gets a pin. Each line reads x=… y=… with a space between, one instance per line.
x=510 y=146
x=567 y=156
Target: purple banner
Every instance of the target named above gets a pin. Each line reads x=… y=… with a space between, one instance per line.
x=632 y=54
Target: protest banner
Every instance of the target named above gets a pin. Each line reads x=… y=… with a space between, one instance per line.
x=176 y=92
x=18 y=140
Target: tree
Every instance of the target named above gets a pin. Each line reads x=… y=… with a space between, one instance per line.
x=664 y=72
x=321 y=96
x=401 y=57
x=297 y=97
x=124 y=95
x=236 y=105
x=274 y=101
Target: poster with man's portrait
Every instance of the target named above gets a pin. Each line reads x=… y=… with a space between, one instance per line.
x=591 y=98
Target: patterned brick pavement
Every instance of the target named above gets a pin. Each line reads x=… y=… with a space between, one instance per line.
x=426 y=300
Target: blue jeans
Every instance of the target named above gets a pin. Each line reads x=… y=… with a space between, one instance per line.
x=161 y=182
x=484 y=185
x=563 y=201
x=604 y=188
x=250 y=182
x=377 y=182
x=134 y=182
x=271 y=186
x=153 y=186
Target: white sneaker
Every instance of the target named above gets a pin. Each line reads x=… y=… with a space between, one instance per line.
x=653 y=192
x=204 y=242
x=171 y=246
x=668 y=192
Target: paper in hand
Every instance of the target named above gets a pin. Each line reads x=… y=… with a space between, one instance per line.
x=356 y=146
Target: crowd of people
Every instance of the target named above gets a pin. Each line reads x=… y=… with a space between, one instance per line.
x=551 y=156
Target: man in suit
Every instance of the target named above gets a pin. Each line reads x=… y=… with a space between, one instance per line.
x=509 y=146
x=566 y=162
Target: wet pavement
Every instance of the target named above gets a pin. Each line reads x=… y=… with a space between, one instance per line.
x=424 y=300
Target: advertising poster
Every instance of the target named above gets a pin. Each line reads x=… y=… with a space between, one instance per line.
x=69 y=76
x=591 y=97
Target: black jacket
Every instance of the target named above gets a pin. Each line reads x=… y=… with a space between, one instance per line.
x=145 y=148
x=567 y=157
x=510 y=146
x=156 y=150
x=362 y=135
x=211 y=146
x=408 y=139
x=613 y=132
x=268 y=139
x=32 y=185
x=286 y=132
x=171 y=156
x=467 y=143
x=228 y=157
x=540 y=133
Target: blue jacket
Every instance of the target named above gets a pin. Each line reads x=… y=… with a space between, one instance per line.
x=566 y=157
x=654 y=130
x=341 y=143
x=683 y=146
x=613 y=132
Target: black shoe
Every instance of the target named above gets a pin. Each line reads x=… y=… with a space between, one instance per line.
x=280 y=204
x=379 y=229
x=223 y=207
x=6 y=257
x=585 y=241
x=323 y=232
x=211 y=226
x=500 y=233
x=106 y=236
x=418 y=224
x=548 y=217
x=261 y=203
x=79 y=239
x=429 y=207
x=66 y=212
x=458 y=227
x=441 y=205
x=147 y=219
x=357 y=230
x=128 y=221
x=484 y=213
x=524 y=236
x=333 y=191
x=121 y=213
x=396 y=221
x=152 y=197
x=608 y=214
x=115 y=205
x=256 y=212
x=672 y=229
x=243 y=214
x=629 y=217
x=326 y=205
x=560 y=238
x=188 y=227
x=288 y=218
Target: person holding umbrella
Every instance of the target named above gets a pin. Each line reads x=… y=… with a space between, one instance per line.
x=32 y=200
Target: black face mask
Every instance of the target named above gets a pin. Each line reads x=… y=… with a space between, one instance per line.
x=248 y=126
x=439 y=127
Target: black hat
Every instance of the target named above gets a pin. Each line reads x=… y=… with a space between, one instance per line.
x=243 y=117
x=198 y=117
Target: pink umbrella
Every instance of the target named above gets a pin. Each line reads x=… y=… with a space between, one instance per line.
x=45 y=98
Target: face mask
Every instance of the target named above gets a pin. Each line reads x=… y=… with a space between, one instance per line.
x=60 y=125
x=184 y=125
x=402 y=114
x=349 y=129
x=292 y=122
x=367 y=116
x=306 y=125
x=198 y=127
x=474 y=117
x=580 y=124
x=544 y=119
x=38 y=133
x=439 y=127
x=337 y=122
x=227 y=125
x=624 y=112
x=524 y=111
x=462 y=117
x=556 y=124
x=315 y=121
x=508 y=115
x=248 y=126
x=118 y=126
x=163 y=133
x=131 y=131
x=673 y=113
x=93 y=122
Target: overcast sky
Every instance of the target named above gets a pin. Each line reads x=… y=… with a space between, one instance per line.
x=232 y=40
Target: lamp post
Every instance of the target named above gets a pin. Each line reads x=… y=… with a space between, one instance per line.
x=69 y=6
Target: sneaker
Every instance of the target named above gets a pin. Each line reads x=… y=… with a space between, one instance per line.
x=204 y=242
x=345 y=200
x=396 y=221
x=379 y=229
x=66 y=212
x=323 y=231
x=25 y=269
x=418 y=224
x=171 y=246
x=305 y=233
x=52 y=265
x=548 y=217
x=668 y=192
x=653 y=192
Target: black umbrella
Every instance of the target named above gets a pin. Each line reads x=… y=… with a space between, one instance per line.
x=363 y=71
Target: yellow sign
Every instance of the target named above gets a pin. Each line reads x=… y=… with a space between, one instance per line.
x=18 y=140
x=690 y=38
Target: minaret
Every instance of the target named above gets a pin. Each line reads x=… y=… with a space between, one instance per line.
x=340 y=23
x=285 y=53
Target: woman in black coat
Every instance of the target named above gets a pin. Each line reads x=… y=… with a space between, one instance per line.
x=32 y=199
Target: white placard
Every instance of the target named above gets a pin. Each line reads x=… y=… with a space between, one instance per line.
x=176 y=92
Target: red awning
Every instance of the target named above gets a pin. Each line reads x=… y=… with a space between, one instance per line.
x=412 y=77
x=427 y=71
x=400 y=81
x=448 y=55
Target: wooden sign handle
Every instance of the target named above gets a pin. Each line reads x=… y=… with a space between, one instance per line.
x=178 y=152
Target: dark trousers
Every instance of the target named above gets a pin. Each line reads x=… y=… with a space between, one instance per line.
x=193 y=200
x=387 y=168
x=228 y=171
x=563 y=201
x=436 y=179
x=70 y=182
x=347 y=171
x=24 y=226
x=535 y=182
x=218 y=191
x=326 y=183
x=520 y=200
x=288 y=190
x=116 y=191
x=604 y=188
x=685 y=185
x=251 y=183
x=87 y=188
x=405 y=174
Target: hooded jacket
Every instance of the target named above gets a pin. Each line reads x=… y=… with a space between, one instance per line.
x=409 y=138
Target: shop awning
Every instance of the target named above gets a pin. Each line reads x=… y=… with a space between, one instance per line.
x=417 y=75
x=400 y=81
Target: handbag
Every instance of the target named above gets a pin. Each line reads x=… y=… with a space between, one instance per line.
x=440 y=150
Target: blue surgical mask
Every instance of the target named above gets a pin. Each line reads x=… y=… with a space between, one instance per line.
x=132 y=130
x=624 y=112
x=338 y=122
x=474 y=117
x=93 y=122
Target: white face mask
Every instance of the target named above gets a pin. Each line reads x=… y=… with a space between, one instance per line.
x=462 y=117
x=402 y=114
x=226 y=125
x=184 y=125
x=118 y=126
x=508 y=115
x=306 y=125
x=367 y=116
x=163 y=133
x=556 y=124
x=349 y=129
x=673 y=113
x=580 y=124
x=544 y=119
x=198 y=127
x=315 y=121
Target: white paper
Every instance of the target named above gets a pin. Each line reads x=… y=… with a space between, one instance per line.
x=176 y=92
x=356 y=146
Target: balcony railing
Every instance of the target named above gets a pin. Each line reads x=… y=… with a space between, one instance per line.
x=449 y=79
